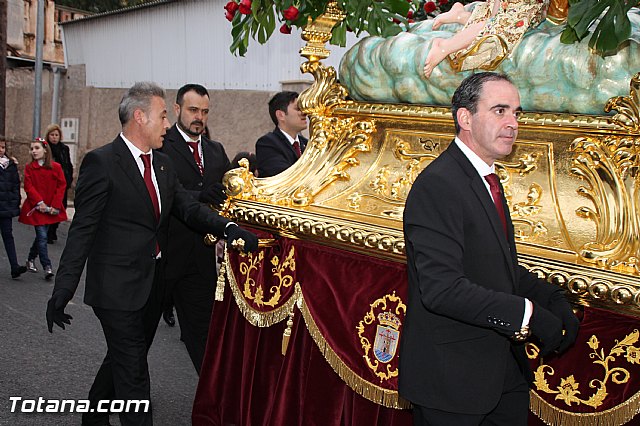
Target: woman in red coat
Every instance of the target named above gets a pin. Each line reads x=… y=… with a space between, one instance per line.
x=44 y=184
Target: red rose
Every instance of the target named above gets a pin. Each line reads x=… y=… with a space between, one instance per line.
x=231 y=7
x=410 y=14
x=229 y=16
x=291 y=14
x=285 y=29
x=519 y=23
x=411 y=21
x=245 y=7
x=396 y=21
x=428 y=7
x=443 y=2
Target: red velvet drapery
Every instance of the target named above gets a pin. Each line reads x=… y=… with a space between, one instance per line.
x=348 y=307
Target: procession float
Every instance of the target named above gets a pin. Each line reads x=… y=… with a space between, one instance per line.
x=306 y=330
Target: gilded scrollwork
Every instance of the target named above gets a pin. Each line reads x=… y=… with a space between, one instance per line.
x=569 y=390
x=628 y=107
x=609 y=166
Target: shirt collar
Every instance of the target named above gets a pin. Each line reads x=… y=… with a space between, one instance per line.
x=288 y=136
x=185 y=136
x=135 y=151
x=481 y=167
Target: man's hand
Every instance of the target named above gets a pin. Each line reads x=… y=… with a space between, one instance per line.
x=546 y=327
x=241 y=239
x=55 y=309
x=570 y=323
x=213 y=195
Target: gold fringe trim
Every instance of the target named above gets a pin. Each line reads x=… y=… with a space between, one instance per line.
x=254 y=317
x=551 y=415
x=374 y=393
x=219 y=295
x=287 y=332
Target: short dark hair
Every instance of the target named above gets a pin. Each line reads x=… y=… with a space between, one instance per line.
x=200 y=90
x=467 y=94
x=280 y=102
x=138 y=97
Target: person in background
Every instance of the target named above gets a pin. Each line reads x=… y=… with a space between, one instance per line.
x=280 y=149
x=60 y=154
x=253 y=165
x=471 y=306
x=125 y=193
x=44 y=184
x=9 y=206
x=200 y=164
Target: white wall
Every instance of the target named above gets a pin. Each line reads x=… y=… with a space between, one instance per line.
x=178 y=42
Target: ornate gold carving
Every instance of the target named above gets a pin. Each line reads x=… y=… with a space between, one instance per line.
x=569 y=389
x=387 y=334
x=256 y=293
x=610 y=168
x=628 y=107
x=317 y=32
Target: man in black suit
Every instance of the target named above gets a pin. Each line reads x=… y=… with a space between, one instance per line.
x=470 y=305
x=125 y=194
x=278 y=150
x=191 y=269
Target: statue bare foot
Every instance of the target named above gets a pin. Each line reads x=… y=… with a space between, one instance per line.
x=434 y=57
x=454 y=15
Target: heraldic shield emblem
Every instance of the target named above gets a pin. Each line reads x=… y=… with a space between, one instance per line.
x=382 y=325
x=387 y=334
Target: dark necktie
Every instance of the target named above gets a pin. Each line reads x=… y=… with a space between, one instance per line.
x=146 y=159
x=494 y=186
x=296 y=148
x=196 y=156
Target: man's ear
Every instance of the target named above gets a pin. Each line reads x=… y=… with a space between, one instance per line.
x=176 y=109
x=280 y=115
x=139 y=116
x=464 y=118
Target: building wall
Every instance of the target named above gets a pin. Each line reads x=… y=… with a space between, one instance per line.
x=237 y=118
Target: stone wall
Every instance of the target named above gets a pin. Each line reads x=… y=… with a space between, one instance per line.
x=237 y=117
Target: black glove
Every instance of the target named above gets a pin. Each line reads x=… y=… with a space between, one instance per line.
x=55 y=309
x=213 y=195
x=562 y=309
x=546 y=327
x=235 y=233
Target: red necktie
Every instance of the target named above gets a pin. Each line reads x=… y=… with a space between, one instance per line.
x=494 y=186
x=296 y=148
x=196 y=156
x=146 y=159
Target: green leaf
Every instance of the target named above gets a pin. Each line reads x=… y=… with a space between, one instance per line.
x=582 y=15
x=613 y=29
x=568 y=35
x=400 y=7
x=339 y=35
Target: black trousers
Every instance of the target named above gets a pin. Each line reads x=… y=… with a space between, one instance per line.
x=193 y=298
x=512 y=408
x=124 y=373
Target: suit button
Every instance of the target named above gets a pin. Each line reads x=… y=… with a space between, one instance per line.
x=199 y=183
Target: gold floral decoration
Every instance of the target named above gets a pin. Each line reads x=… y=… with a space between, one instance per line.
x=279 y=269
x=569 y=389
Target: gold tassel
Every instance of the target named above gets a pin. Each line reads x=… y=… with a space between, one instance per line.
x=221 y=277
x=287 y=332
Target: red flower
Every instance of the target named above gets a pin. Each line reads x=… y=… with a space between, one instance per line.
x=231 y=8
x=429 y=7
x=519 y=23
x=285 y=29
x=245 y=7
x=411 y=20
x=291 y=14
x=396 y=21
x=443 y=2
x=410 y=14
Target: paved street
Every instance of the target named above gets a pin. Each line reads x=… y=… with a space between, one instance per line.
x=34 y=363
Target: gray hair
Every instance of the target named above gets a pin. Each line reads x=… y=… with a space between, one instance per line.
x=138 y=97
x=467 y=94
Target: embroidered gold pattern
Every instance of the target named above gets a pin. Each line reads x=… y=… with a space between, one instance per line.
x=569 y=389
x=388 y=330
x=275 y=291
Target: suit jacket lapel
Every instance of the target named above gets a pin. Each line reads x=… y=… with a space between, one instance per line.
x=176 y=139
x=130 y=168
x=480 y=190
x=285 y=142
x=160 y=169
